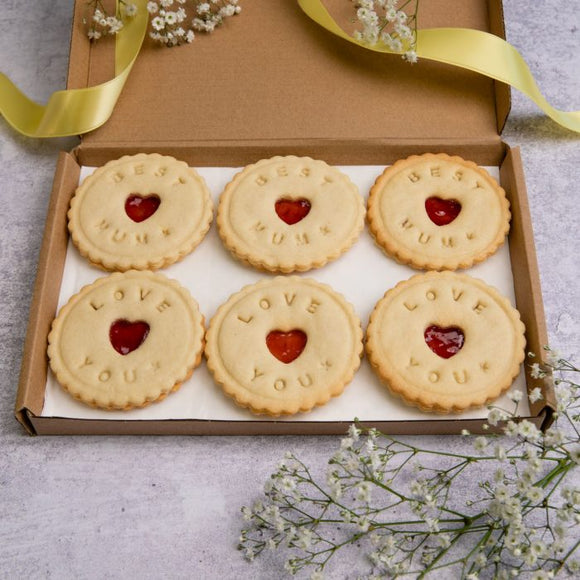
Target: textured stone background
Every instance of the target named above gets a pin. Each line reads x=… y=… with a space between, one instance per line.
x=168 y=507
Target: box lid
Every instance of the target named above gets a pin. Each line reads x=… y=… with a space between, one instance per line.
x=271 y=78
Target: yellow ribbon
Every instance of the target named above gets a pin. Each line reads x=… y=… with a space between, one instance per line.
x=470 y=49
x=76 y=111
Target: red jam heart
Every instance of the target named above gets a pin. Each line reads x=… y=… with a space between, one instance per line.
x=444 y=342
x=140 y=208
x=292 y=211
x=442 y=211
x=127 y=336
x=286 y=346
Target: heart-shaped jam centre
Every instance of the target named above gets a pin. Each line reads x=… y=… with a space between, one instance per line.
x=444 y=342
x=139 y=207
x=127 y=336
x=442 y=211
x=286 y=346
x=292 y=211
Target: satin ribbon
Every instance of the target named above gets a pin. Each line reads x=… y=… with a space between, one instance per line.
x=76 y=111
x=474 y=50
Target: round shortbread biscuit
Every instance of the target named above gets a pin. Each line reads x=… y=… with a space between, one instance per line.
x=284 y=345
x=411 y=196
x=445 y=342
x=169 y=200
x=289 y=214
x=126 y=340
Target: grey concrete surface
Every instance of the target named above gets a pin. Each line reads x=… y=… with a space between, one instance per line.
x=169 y=507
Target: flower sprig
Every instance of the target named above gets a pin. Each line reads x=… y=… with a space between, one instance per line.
x=520 y=519
x=101 y=23
x=390 y=22
x=173 y=22
x=173 y=27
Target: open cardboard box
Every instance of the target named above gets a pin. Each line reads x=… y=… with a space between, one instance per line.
x=274 y=83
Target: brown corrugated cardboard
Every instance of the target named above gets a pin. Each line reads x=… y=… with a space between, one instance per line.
x=272 y=82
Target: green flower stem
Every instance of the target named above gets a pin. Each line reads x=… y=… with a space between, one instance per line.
x=569 y=553
x=564 y=465
x=404 y=498
x=439 y=556
x=332 y=550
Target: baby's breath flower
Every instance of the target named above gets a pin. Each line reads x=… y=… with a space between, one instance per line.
x=418 y=489
x=158 y=23
x=495 y=416
x=553 y=356
x=511 y=429
x=303 y=538
x=500 y=452
x=538 y=548
x=535 y=395
x=130 y=10
x=411 y=56
x=271 y=544
x=480 y=560
x=535 y=494
x=502 y=492
x=364 y=491
x=480 y=443
x=515 y=396
x=353 y=432
x=170 y=18
x=444 y=540
x=528 y=431
x=247 y=513
x=286 y=484
x=554 y=437
x=523 y=484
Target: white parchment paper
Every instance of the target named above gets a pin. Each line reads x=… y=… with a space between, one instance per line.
x=211 y=274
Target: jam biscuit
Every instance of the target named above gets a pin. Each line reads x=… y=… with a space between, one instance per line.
x=289 y=214
x=445 y=342
x=284 y=345
x=140 y=212
x=437 y=212
x=126 y=340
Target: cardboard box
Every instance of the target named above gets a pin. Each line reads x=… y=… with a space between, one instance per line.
x=273 y=82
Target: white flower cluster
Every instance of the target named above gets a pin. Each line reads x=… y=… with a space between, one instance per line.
x=211 y=14
x=384 y=22
x=168 y=25
x=521 y=519
x=102 y=24
x=171 y=24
